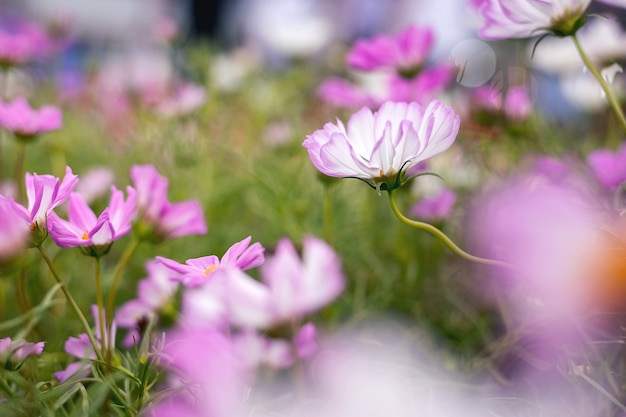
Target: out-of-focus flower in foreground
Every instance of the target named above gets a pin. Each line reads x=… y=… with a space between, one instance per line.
x=405 y=52
x=23 y=42
x=609 y=167
x=435 y=208
x=378 y=147
x=527 y=18
x=25 y=122
x=13 y=353
x=14 y=231
x=159 y=219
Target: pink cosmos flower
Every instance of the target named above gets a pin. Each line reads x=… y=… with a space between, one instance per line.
x=45 y=192
x=423 y=87
x=609 y=167
x=26 y=122
x=196 y=271
x=158 y=218
x=378 y=147
x=14 y=231
x=185 y=98
x=435 y=208
x=526 y=18
x=406 y=52
x=343 y=93
x=23 y=42
x=515 y=105
x=14 y=352
x=97 y=233
x=291 y=287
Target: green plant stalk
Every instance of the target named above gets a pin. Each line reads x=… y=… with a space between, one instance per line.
x=101 y=313
x=328 y=214
x=445 y=239
x=119 y=269
x=72 y=302
x=19 y=170
x=605 y=86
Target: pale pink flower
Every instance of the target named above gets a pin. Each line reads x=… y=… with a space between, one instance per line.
x=26 y=122
x=422 y=88
x=185 y=99
x=95 y=183
x=343 y=93
x=526 y=18
x=378 y=147
x=405 y=52
x=23 y=42
x=513 y=104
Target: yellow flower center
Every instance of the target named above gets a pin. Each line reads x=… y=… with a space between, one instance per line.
x=210 y=269
x=85 y=236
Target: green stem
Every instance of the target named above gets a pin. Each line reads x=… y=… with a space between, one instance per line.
x=605 y=86
x=119 y=269
x=19 y=169
x=328 y=214
x=72 y=302
x=445 y=239
x=100 y=302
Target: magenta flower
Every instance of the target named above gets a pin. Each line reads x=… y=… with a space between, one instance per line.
x=406 y=52
x=45 y=192
x=435 y=208
x=343 y=93
x=609 y=167
x=526 y=18
x=196 y=271
x=423 y=87
x=13 y=353
x=97 y=234
x=23 y=42
x=378 y=147
x=515 y=105
x=26 y=122
x=158 y=218
x=14 y=230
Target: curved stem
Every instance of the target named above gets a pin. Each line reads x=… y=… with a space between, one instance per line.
x=444 y=238
x=119 y=269
x=73 y=304
x=328 y=213
x=605 y=86
x=19 y=169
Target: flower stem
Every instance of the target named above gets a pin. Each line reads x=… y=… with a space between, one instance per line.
x=73 y=304
x=101 y=313
x=328 y=214
x=605 y=86
x=19 y=170
x=119 y=269
x=445 y=239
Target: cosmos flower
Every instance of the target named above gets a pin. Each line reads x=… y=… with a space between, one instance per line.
x=526 y=18
x=196 y=271
x=14 y=352
x=84 y=229
x=609 y=167
x=26 y=122
x=159 y=219
x=14 y=231
x=405 y=52
x=378 y=147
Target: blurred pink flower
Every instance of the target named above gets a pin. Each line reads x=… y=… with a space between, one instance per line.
x=526 y=18
x=215 y=379
x=196 y=271
x=153 y=295
x=25 y=122
x=378 y=147
x=23 y=42
x=185 y=98
x=514 y=104
x=609 y=167
x=158 y=218
x=14 y=230
x=405 y=52
x=14 y=352
x=435 y=208
x=95 y=183
x=343 y=93
x=423 y=87
x=84 y=229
